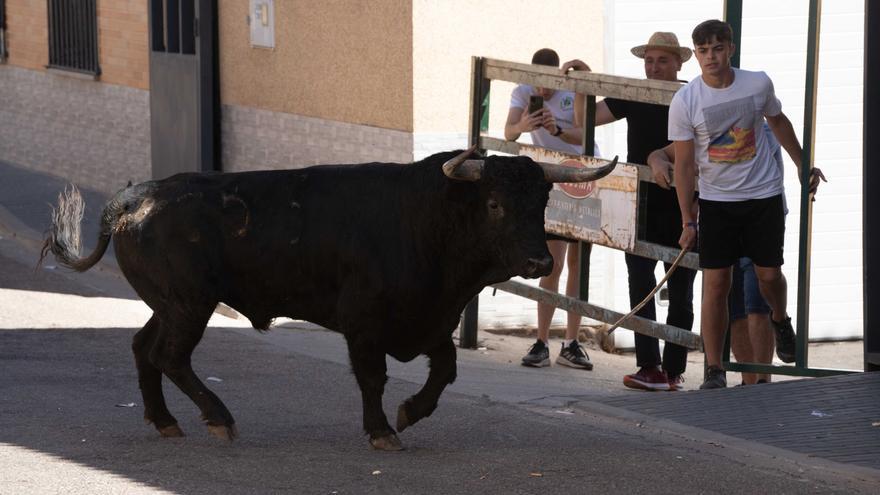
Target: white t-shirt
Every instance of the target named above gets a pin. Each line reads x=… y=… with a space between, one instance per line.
x=734 y=156
x=561 y=106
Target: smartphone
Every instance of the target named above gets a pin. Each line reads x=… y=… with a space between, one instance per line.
x=536 y=102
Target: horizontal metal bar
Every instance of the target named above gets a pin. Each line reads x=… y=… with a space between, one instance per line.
x=672 y=335
x=589 y=83
x=785 y=370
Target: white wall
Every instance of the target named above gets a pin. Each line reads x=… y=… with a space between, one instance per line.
x=447 y=34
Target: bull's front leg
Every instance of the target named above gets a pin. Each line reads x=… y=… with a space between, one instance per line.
x=368 y=364
x=441 y=374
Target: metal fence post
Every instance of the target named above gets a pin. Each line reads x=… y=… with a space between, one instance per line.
x=479 y=95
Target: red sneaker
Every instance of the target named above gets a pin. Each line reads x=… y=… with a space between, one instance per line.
x=647 y=378
x=676 y=382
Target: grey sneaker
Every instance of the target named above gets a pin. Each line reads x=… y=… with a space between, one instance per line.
x=785 y=340
x=538 y=356
x=715 y=378
x=574 y=356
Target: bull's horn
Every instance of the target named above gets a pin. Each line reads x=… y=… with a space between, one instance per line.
x=460 y=168
x=560 y=173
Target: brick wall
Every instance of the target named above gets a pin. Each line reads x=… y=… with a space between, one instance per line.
x=255 y=139
x=123 y=42
x=96 y=135
x=27 y=33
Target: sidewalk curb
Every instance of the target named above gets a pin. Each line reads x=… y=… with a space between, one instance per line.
x=793 y=462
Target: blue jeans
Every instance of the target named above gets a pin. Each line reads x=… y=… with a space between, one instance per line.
x=745 y=295
x=680 y=314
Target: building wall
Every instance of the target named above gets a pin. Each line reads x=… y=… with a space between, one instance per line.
x=333 y=60
x=94 y=133
x=256 y=139
x=123 y=43
x=122 y=39
x=447 y=34
x=26 y=34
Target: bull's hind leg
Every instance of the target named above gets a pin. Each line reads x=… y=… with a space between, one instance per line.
x=150 y=381
x=442 y=373
x=178 y=337
x=368 y=364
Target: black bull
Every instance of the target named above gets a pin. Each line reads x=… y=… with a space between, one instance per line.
x=386 y=254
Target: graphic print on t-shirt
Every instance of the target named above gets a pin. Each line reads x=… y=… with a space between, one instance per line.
x=566 y=102
x=733 y=124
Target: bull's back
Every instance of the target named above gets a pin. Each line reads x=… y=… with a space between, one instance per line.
x=268 y=243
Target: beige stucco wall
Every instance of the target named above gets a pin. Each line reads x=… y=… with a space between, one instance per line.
x=333 y=59
x=448 y=33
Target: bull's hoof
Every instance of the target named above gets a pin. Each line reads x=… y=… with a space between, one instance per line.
x=389 y=442
x=172 y=431
x=402 y=418
x=223 y=432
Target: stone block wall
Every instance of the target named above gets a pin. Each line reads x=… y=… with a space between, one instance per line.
x=95 y=135
x=255 y=139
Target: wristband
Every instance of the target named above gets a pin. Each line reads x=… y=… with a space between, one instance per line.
x=558 y=131
x=692 y=225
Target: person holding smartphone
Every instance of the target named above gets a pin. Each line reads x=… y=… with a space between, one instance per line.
x=546 y=114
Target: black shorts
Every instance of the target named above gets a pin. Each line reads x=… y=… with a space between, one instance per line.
x=730 y=230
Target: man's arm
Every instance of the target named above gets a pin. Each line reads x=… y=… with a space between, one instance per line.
x=784 y=133
x=603 y=114
x=512 y=129
x=684 y=188
x=661 y=163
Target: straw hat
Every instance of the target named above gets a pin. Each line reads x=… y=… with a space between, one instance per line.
x=663 y=41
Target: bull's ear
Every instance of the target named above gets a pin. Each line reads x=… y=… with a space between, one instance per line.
x=460 y=168
x=559 y=173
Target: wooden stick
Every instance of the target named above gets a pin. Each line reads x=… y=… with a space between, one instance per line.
x=651 y=294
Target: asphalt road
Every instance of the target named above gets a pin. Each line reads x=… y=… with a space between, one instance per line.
x=71 y=416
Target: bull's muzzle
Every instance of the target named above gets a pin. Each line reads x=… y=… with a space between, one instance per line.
x=461 y=168
x=538 y=267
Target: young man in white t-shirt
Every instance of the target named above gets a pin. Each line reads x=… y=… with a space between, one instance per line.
x=546 y=127
x=715 y=125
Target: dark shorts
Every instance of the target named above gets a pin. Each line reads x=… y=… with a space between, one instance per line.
x=730 y=230
x=745 y=295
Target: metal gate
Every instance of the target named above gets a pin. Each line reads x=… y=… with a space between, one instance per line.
x=184 y=88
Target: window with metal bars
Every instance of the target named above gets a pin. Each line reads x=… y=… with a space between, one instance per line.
x=73 y=36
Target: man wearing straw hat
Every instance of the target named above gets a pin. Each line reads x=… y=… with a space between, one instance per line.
x=646 y=131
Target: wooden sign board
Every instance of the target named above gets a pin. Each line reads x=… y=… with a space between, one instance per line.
x=602 y=212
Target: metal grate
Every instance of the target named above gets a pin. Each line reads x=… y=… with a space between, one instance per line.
x=73 y=35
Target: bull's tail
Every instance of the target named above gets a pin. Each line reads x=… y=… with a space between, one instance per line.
x=64 y=236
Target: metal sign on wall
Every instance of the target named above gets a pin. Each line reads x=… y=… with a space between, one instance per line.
x=602 y=212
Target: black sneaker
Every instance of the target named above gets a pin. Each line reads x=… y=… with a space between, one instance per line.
x=785 y=340
x=538 y=356
x=574 y=356
x=715 y=378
